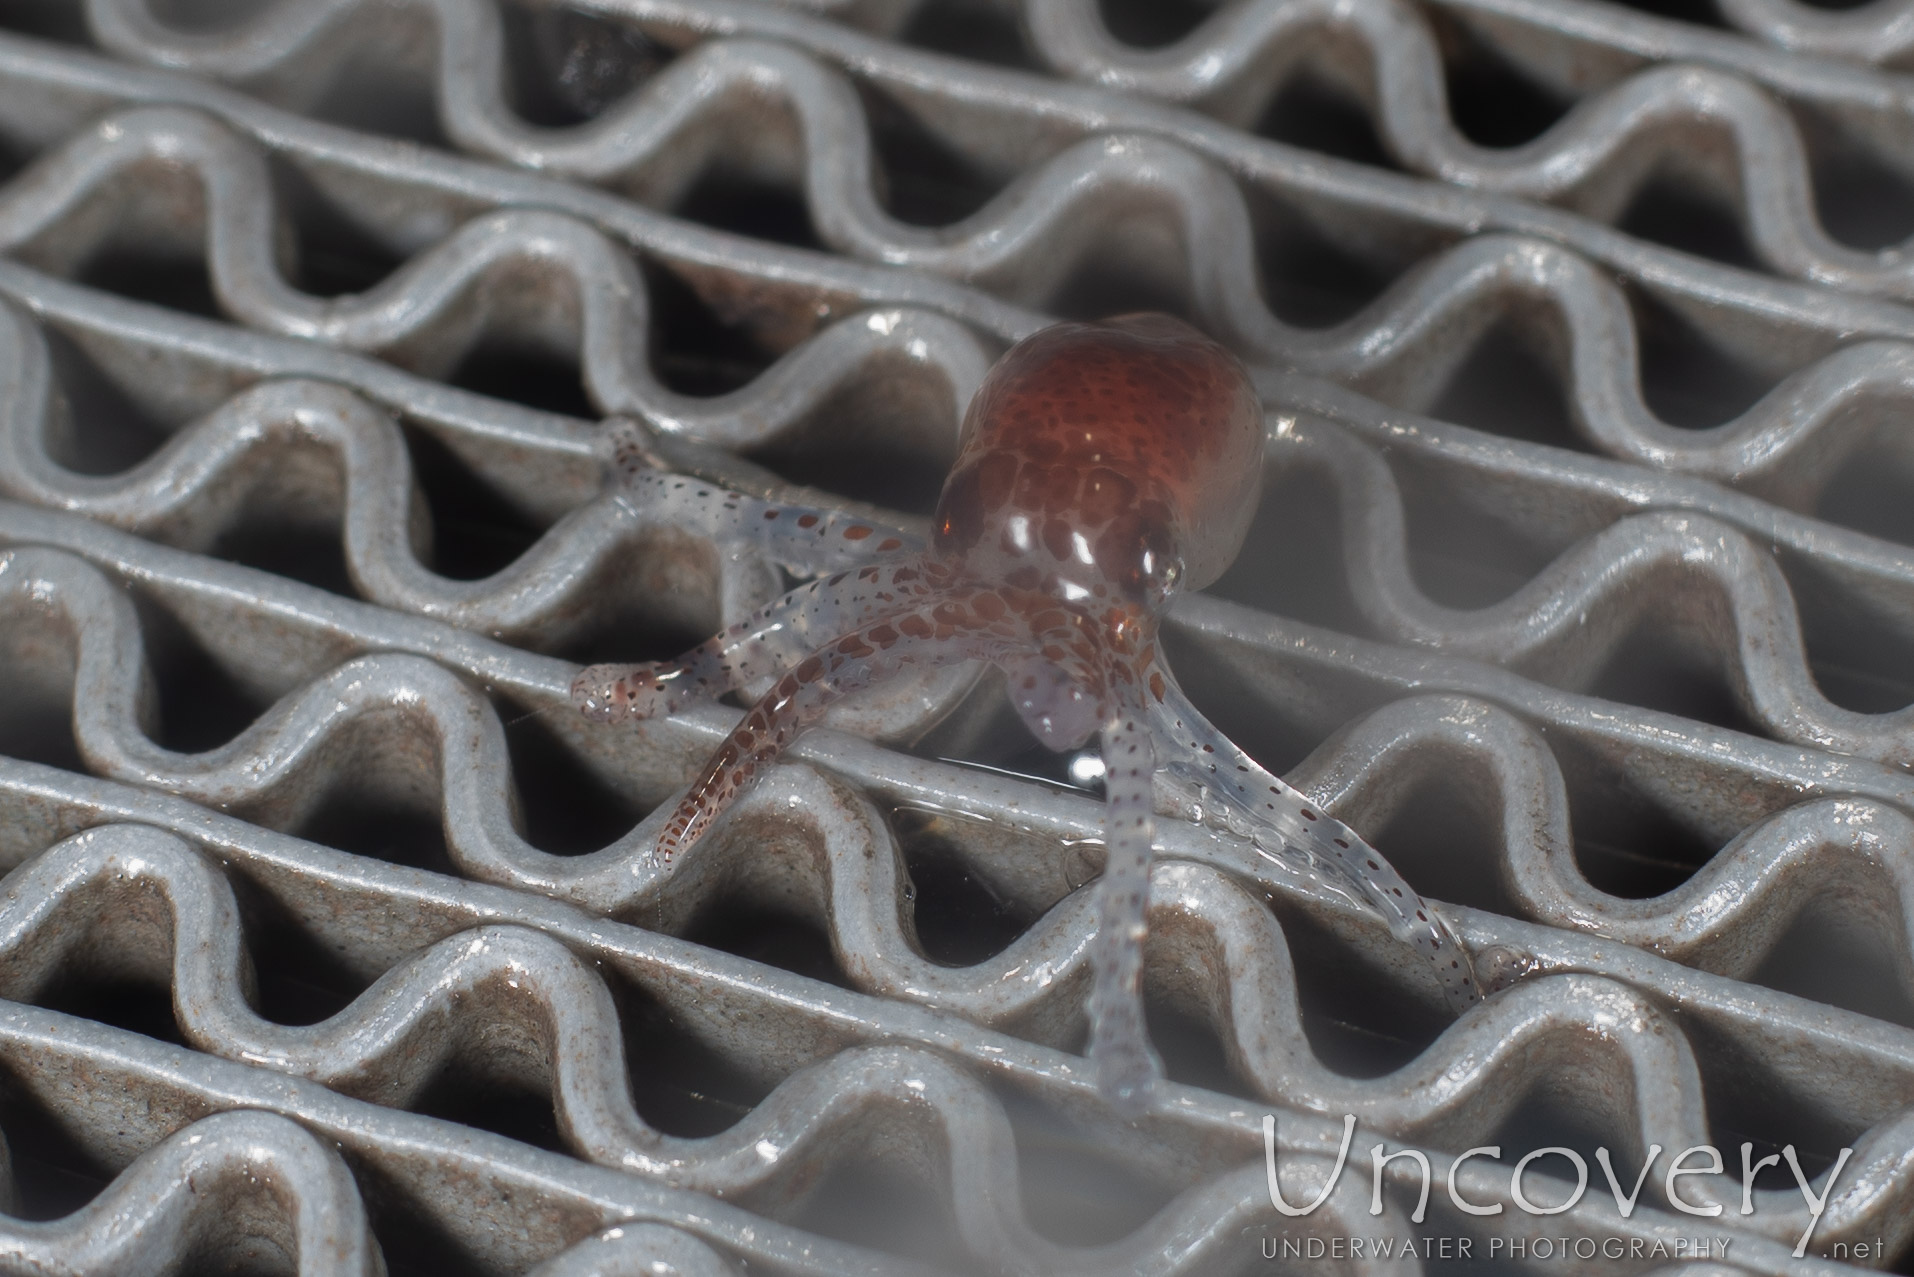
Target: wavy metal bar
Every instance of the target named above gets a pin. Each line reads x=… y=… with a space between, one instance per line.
x=502 y=1203
x=641 y=1250
x=1407 y=345
x=409 y=1009
x=1005 y=1000
x=1881 y=32
x=966 y=106
x=228 y=1188
x=1719 y=130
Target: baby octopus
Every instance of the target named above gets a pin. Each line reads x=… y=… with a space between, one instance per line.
x=1102 y=468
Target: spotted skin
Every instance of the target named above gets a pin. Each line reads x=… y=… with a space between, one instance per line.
x=800 y=538
x=1103 y=467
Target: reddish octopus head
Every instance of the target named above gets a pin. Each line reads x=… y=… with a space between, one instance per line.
x=1117 y=460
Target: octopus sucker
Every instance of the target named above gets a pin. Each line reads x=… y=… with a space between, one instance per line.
x=1102 y=468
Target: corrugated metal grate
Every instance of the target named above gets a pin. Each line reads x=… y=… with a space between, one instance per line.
x=1582 y=587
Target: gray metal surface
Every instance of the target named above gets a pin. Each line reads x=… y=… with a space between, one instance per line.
x=330 y=939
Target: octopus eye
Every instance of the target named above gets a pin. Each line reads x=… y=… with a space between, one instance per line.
x=960 y=512
x=1154 y=567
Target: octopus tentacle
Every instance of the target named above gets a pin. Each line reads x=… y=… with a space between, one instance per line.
x=806 y=540
x=768 y=642
x=942 y=630
x=1053 y=702
x=1126 y=1065
x=1286 y=826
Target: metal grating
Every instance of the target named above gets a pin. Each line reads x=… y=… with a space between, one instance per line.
x=1583 y=587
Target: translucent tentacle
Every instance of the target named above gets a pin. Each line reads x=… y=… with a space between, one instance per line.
x=763 y=645
x=1053 y=701
x=940 y=631
x=804 y=540
x=1234 y=790
x=1126 y=1065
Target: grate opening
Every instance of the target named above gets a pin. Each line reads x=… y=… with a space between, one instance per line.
x=683 y=1086
x=961 y=917
x=1544 y=1118
x=976 y=30
x=1460 y=555
x=1688 y=380
x=1275 y=734
x=313 y=556
x=48 y=20
x=301 y=979
x=693 y=350
x=925 y=181
x=1292 y=559
x=1143 y=24
x=1193 y=1052
x=1116 y=277
x=105 y=997
x=669 y=609
x=1869 y=493
x=735 y=925
x=867 y=1203
x=1308 y=280
x=1074 y=1194
x=1657 y=669
x=1313 y=112
x=517 y=1113
x=177 y=283
x=727 y=199
x=380 y=829
x=53 y=1174
x=15 y=154
x=565 y=68
x=1860 y=201
x=1625 y=844
x=475 y=531
x=1700 y=12
x=501 y=367
x=1490 y=99
x=1507 y=388
x=850 y=445
x=566 y=810
x=1835 y=953
x=36 y=724
x=395 y=102
x=1443 y=843
x=201 y=704
x=411 y=1242
x=106 y=432
x=1668 y=213
x=1748 y=1102
x=1358 y=1021
x=337 y=256
x=1859 y=659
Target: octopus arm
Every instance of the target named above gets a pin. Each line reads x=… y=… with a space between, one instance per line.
x=1292 y=831
x=1126 y=1065
x=923 y=636
x=762 y=646
x=804 y=540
